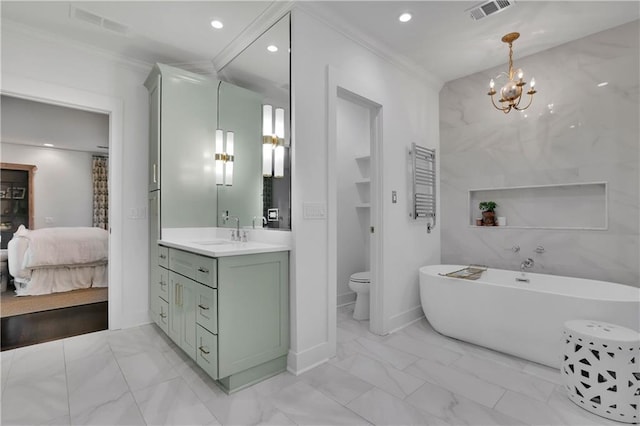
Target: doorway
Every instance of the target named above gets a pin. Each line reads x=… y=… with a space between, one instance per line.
x=44 y=92
x=363 y=117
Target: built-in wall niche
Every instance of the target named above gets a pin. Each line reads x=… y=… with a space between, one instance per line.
x=364 y=183
x=560 y=206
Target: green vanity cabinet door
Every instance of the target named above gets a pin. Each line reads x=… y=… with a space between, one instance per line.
x=159 y=296
x=162 y=316
x=207 y=355
x=182 y=312
x=253 y=310
x=155 y=87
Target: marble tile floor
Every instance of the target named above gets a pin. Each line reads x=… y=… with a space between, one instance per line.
x=412 y=377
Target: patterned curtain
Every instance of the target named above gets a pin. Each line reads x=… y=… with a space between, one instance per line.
x=101 y=192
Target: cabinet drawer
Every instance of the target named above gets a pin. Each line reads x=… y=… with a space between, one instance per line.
x=207 y=308
x=163 y=256
x=199 y=268
x=161 y=313
x=162 y=286
x=207 y=355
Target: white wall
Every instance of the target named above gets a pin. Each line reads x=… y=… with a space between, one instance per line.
x=409 y=114
x=590 y=134
x=60 y=63
x=34 y=123
x=353 y=140
x=62 y=184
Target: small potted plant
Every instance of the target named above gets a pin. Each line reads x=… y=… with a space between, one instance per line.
x=488 y=212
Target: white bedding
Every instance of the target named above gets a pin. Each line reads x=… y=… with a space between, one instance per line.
x=52 y=260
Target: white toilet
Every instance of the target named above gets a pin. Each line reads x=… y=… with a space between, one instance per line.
x=360 y=283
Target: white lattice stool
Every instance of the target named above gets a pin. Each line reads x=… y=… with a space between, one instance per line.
x=601 y=369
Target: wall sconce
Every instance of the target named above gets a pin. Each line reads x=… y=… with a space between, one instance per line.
x=272 y=142
x=224 y=159
x=511 y=92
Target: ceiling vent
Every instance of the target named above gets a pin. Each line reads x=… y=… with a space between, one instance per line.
x=487 y=8
x=92 y=18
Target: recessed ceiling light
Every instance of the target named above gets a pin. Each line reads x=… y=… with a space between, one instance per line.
x=217 y=24
x=48 y=144
x=604 y=83
x=272 y=48
x=405 y=17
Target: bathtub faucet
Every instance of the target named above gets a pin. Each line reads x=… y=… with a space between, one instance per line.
x=526 y=264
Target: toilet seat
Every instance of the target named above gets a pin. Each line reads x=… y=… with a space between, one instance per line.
x=361 y=277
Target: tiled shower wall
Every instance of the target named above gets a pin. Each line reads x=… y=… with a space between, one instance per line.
x=575 y=131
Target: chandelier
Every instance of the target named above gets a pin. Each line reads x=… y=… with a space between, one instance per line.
x=511 y=92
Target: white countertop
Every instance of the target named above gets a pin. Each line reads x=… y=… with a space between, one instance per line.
x=210 y=244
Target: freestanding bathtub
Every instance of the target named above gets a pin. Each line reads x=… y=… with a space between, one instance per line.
x=524 y=319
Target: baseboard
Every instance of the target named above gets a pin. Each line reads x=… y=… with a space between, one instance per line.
x=298 y=363
x=346 y=299
x=405 y=318
x=134 y=319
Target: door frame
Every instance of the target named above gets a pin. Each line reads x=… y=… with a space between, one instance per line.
x=339 y=87
x=51 y=93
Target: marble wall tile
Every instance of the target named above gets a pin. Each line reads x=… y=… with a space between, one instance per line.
x=574 y=131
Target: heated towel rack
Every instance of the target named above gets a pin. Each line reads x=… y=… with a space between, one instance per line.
x=424 y=185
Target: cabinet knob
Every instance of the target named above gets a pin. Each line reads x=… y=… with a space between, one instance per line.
x=203 y=350
x=162 y=256
x=203 y=270
x=204 y=308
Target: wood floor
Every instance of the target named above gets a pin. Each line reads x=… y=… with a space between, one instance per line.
x=38 y=327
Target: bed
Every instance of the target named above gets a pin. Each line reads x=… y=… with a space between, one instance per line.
x=52 y=260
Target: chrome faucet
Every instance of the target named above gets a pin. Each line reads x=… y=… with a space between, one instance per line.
x=526 y=264
x=234 y=236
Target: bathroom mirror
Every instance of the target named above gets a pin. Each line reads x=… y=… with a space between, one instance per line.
x=262 y=73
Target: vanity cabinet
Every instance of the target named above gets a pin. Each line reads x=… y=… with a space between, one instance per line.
x=229 y=314
x=182 y=125
x=182 y=309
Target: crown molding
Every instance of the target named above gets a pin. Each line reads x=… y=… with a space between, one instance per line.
x=340 y=25
x=27 y=30
x=272 y=14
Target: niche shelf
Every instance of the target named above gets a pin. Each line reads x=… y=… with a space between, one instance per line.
x=579 y=206
x=363 y=185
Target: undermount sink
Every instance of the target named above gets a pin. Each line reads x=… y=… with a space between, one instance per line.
x=213 y=242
